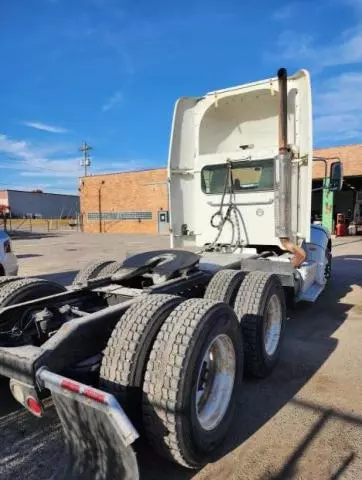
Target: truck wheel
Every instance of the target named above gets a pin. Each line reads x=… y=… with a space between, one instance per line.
x=4 y=280
x=126 y=355
x=109 y=269
x=27 y=289
x=260 y=306
x=22 y=291
x=91 y=271
x=328 y=266
x=192 y=380
x=224 y=286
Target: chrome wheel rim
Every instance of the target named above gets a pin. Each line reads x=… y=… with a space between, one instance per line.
x=215 y=382
x=272 y=325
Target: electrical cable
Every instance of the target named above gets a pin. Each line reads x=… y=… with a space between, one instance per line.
x=231 y=216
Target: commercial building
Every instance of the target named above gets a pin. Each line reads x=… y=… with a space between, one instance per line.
x=133 y=202
x=37 y=204
x=137 y=202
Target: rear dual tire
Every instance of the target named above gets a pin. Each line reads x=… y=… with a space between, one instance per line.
x=187 y=413
x=224 y=286
x=261 y=309
x=259 y=303
x=125 y=357
x=166 y=356
x=165 y=361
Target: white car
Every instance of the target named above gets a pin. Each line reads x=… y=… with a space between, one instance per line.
x=8 y=260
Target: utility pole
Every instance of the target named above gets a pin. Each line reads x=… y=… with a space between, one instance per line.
x=85 y=162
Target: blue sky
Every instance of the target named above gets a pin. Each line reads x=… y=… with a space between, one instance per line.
x=109 y=72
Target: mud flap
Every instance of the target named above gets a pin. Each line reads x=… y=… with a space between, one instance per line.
x=97 y=433
x=93 y=448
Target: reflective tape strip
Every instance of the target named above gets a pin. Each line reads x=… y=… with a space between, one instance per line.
x=71 y=386
x=92 y=393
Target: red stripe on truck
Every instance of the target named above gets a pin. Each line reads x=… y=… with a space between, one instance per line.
x=71 y=386
x=95 y=395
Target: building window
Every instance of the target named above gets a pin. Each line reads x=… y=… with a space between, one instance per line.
x=120 y=216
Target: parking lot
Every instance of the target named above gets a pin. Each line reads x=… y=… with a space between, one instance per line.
x=303 y=422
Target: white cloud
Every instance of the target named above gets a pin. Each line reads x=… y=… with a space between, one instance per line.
x=45 y=127
x=30 y=161
x=340 y=94
x=331 y=127
x=115 y=99
x=338 y=107
x=337 y=98
x=54 y=168
x=303 y=49
x=26 y=157
x=322 y=51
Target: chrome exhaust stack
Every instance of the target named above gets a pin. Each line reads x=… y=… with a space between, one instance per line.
x=283 y=178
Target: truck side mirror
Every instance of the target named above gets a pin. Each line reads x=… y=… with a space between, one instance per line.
x=336 y=177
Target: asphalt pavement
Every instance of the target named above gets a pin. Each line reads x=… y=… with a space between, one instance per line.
x=303 y=422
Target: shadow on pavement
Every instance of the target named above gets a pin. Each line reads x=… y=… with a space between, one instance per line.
x=34 y=235
x=290 y=468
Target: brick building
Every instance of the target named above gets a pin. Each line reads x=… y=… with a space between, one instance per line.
x=350 y=155
x=125 y=202
x=137 y=202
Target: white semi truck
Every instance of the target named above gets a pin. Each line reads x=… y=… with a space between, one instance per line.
x=158 y=343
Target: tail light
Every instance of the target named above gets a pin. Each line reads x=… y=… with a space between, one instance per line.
x=27 y=396
x=34 y=406
x=7 y=246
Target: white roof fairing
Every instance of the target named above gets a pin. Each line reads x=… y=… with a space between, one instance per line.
x=236 y=123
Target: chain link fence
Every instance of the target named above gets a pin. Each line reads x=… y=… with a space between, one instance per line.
x=13 y=225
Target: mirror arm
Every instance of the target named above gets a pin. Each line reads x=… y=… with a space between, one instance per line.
x=326 y=175
x=321 y=159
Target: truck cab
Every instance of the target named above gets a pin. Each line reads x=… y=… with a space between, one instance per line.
x=240 y=125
